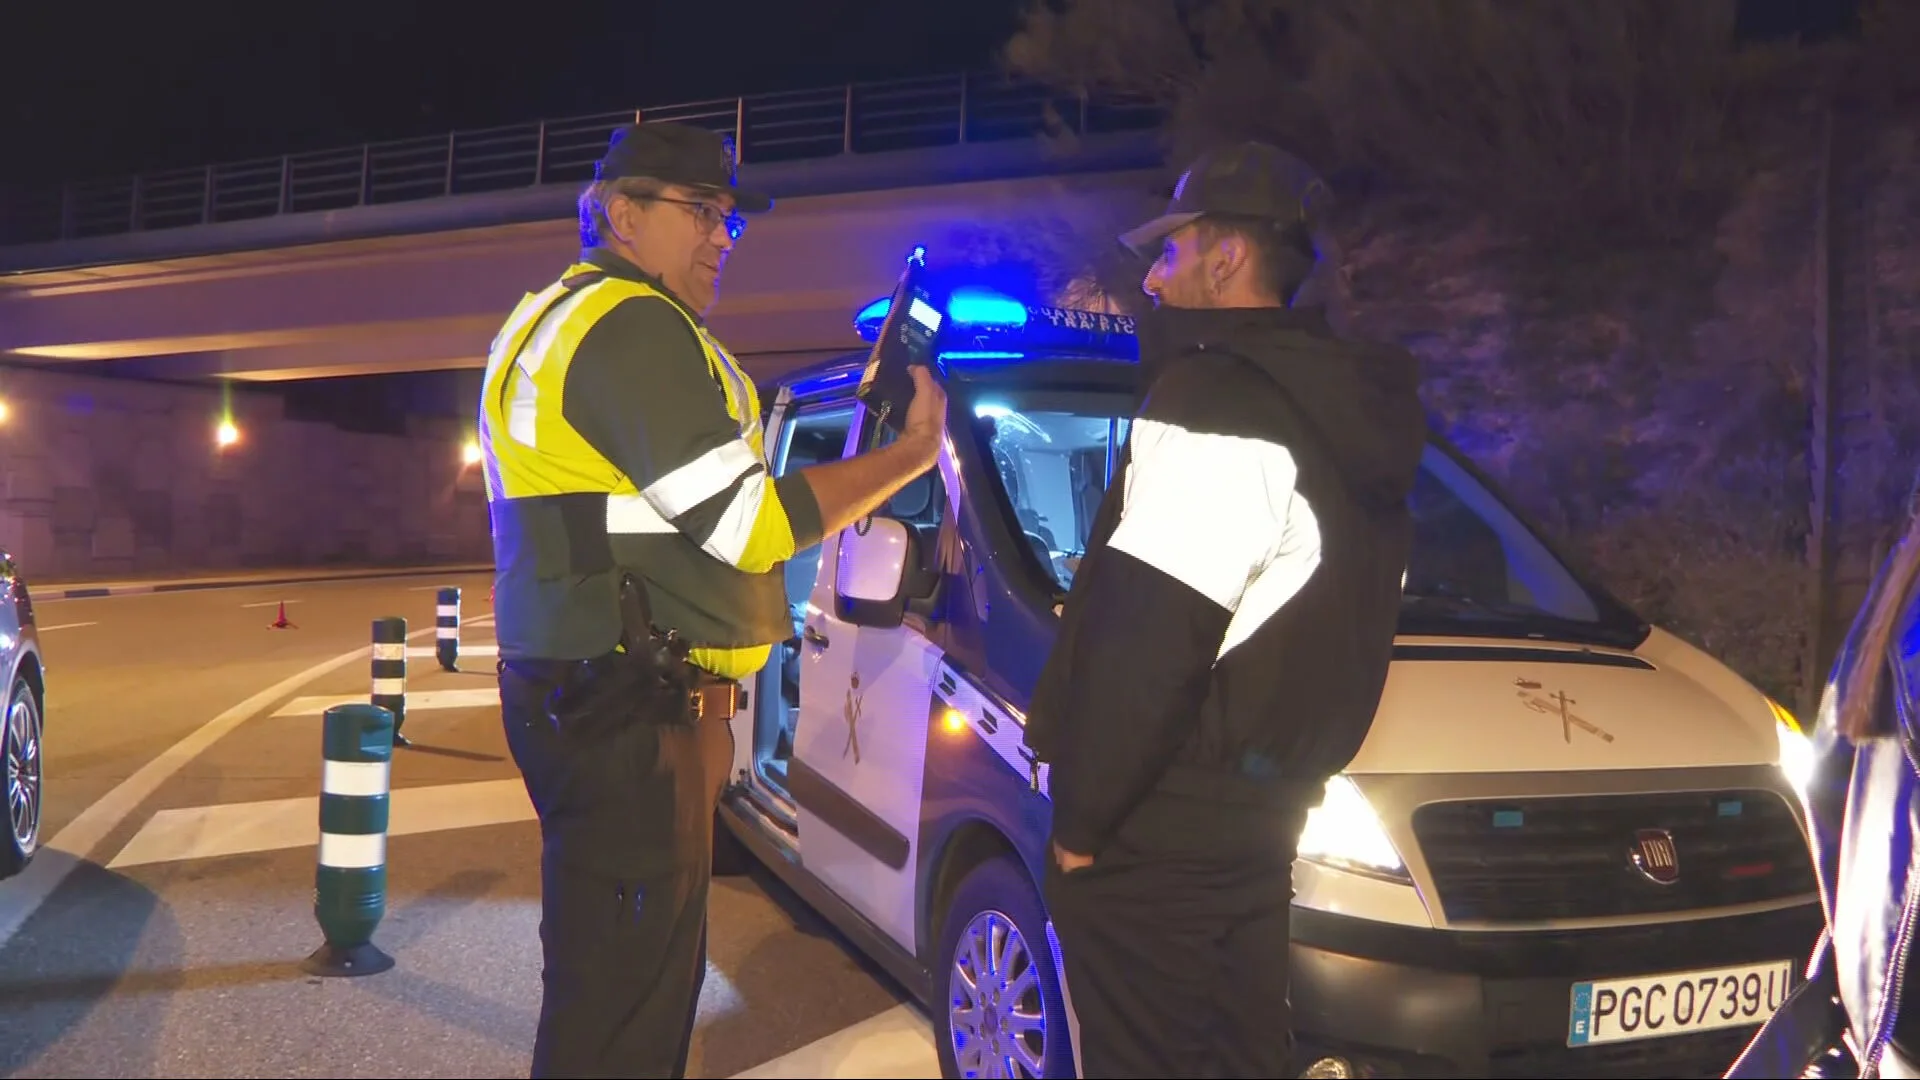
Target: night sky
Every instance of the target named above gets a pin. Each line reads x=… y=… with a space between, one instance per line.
x=105 y=90
x=91 y=90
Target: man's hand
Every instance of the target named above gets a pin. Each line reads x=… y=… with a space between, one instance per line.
x=1069 y=862
x=851 y=488
x=926 y=419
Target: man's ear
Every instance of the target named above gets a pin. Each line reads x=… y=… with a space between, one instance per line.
x=623 y=218
x=1228 y=257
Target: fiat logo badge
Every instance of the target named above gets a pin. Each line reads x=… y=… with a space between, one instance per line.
x=1654 y=855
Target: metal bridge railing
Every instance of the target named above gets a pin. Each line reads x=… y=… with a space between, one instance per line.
x=941 y=110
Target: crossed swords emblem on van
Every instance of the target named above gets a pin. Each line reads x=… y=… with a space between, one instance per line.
x=855 y=700
x=1558 y=704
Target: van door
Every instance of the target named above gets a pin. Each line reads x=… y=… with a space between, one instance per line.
x=799 y=434
x=860 y=753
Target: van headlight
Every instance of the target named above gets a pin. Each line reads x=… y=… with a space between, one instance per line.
x=1343 y=832
x=1796 y=749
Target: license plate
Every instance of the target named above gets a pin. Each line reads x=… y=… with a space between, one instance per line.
x=1653 y=1006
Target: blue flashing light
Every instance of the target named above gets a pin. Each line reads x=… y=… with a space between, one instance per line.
x=974 y=306
x=969 y=305
x=988 y=325
x=868 y=321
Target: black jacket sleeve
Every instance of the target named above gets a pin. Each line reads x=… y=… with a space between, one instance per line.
x=1205 y=505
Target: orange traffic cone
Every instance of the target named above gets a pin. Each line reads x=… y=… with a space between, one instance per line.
x=281 y=623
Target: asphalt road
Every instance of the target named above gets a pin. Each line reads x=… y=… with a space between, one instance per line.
x=171 y=946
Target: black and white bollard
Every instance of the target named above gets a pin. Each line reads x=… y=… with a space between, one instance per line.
x=390 y=671
x=446 y=629
x=350 y=883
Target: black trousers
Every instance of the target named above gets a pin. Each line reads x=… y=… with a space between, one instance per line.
x=1175 y=942
x=625 y=786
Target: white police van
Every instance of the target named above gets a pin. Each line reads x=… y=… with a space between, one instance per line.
x=1571 y=845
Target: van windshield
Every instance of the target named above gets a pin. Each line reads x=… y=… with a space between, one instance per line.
x=1475 y=569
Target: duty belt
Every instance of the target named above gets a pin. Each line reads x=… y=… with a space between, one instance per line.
x=708 y=696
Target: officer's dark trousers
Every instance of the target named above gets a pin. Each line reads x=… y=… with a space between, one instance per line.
x=1175 y=942
x=625 y=789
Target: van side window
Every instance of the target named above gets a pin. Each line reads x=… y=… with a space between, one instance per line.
x=808 y=437
x=811 y=436
x=922 y=504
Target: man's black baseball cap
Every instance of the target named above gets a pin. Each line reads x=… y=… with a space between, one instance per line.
x=1249 y=179
x=677 y=154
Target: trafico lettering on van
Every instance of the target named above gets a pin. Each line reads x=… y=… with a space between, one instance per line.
x=1558 y=704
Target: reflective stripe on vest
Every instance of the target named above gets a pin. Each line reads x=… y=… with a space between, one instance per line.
x=530 y=448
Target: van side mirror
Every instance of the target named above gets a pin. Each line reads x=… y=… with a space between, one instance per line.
x=870 y=575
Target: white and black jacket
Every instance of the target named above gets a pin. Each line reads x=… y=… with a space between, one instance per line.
x=1229 y=628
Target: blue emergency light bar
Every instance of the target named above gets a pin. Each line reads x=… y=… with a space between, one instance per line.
x=983 y=323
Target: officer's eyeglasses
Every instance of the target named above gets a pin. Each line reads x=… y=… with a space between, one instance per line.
x=710 y=217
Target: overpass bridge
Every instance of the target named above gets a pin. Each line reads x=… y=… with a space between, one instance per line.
x=405 y=256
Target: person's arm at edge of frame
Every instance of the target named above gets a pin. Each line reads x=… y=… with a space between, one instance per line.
x=1154 y=616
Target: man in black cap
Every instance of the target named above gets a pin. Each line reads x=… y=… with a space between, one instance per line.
x=638 y=544
x=1227 y=635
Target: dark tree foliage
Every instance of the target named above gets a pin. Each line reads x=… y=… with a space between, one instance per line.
x=1595 y=220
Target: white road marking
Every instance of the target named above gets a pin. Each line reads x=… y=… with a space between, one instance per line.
x=270 y=603
x=465 y=650
x=65 y=626
x=896 y=1043
x=206 y=832
x=478 y=697
x=25 y=892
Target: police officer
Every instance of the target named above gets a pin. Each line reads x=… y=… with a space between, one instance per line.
x=638 y=542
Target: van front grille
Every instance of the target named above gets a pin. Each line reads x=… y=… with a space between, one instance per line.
x=1575 y=857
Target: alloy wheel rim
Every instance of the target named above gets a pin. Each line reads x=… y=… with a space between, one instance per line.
x=23 y=774
x=996 y=1010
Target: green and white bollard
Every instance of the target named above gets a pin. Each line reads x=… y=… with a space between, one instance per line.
x=446 y=628
x=350 y=886
x=390 y=671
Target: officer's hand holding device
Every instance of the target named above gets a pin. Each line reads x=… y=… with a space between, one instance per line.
x=926 y=416
x=904 y=346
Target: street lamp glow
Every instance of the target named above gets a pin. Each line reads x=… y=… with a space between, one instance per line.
x=226 y=434
x=4 y=411
x=470 y=453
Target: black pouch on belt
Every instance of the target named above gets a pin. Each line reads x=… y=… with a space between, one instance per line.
x=662 y=656
x=649 y=675
x=659 y=655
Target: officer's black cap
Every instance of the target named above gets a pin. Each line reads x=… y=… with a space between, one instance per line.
x=1249 y=180
x=678 y=154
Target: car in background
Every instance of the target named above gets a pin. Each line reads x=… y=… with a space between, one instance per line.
x=23 y=722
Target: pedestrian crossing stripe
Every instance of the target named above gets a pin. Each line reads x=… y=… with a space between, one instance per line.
x=475 y=697
x=207 y=832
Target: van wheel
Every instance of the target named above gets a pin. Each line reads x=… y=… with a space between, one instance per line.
x=20 y=785
x=1002 y=1015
